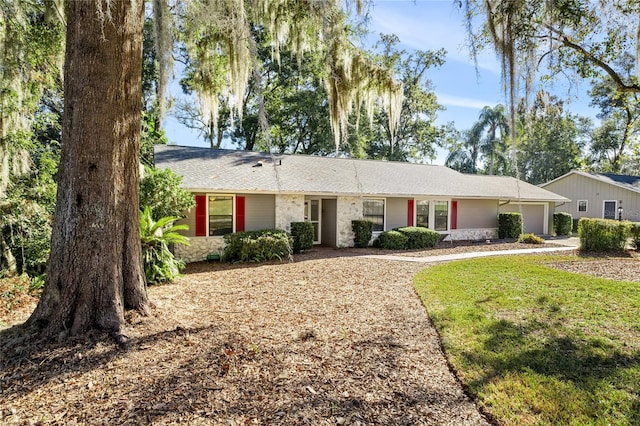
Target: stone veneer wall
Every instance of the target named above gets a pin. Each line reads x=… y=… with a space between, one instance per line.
x=289 y=208
x=199 y=248
x=473 y=234
x=348 y=209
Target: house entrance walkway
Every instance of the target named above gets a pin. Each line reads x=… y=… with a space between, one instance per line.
x=564 y=244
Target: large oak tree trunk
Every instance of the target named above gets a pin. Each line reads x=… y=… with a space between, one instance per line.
x=95 y=267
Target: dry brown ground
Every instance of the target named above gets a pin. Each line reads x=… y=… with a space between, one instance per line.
x=330 y=338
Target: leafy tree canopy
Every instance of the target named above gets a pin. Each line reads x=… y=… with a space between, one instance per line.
x=551 y=140
x=161 y=193
x=416 y=136
x=614 y=146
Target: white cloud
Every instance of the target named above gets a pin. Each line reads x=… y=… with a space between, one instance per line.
x=457 y=101
x=429 y=25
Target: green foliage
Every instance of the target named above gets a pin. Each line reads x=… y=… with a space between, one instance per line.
x=530 y=239
x=393 y=240
x=574 y=227
x=535 y=344
x=603 y=234
x=257 y=246
x=160 y=190
x=486 y=140
x=362 y=232
x=420 y=237
x=160 y=265
x=551 y=140
x=150 y=134
x=417 y=134
x=302 y=234
x=464 y=154
x=635 y=234
x=26 y=213
x=32 y=243
x=509 y=225
x=562 y=223
x=613 y=147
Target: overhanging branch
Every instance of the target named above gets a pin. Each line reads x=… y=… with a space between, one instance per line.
x=615 y=77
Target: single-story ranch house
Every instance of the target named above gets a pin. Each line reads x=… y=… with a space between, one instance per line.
x=598 y=195
x=241 y=191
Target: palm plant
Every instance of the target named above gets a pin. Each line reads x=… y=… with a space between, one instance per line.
x=464 y=158
x=492 y=121
x=160 y=265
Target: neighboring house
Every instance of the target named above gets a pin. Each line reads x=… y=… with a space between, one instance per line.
x=241 y=191
x=600 y=195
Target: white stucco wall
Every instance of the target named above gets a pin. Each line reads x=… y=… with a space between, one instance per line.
x=199 y=248
x=289 y=208
x=348 y=209
x=473 y=234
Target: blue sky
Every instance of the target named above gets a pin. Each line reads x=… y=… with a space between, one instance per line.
x=461 y=87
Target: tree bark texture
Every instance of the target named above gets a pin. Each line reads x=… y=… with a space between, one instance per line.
x=95 y=266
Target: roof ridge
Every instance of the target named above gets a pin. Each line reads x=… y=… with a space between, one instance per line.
x=363 y=160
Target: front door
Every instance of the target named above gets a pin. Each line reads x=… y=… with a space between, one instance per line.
x=312 y=209
x=609 y=210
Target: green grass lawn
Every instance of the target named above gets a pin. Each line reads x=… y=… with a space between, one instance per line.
x=537 y=345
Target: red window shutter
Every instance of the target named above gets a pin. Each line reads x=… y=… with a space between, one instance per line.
x=240 y=214
x=454 y=214
x=201 y=215
x=410 y=211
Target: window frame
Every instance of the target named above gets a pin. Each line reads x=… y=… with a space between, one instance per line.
x=432 y=212
x=615 y=208
x=384 y=213
x=448 y=219
x=586 y=206
x=429 y=216
x=233 y=213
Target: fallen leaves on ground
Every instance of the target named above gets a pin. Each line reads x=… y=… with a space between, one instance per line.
x=330 y=338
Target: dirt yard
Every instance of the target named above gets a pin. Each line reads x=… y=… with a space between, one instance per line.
x=331 y=338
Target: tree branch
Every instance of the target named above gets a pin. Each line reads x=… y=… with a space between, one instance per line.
x=620 y=84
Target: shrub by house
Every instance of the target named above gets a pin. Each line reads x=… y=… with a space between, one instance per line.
x=362 y=232
x=257 y=246
x=509 y=225
x=419 y=237
x=393 y=240
x=603 y=234
x=302 y=234
x=562 y=223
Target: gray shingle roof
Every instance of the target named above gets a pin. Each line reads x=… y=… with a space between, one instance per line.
x=211 y=170
x=631 y=183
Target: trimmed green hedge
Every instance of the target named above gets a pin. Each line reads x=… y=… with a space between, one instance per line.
x=574 y=229
x=603 y=234
x=362 y=232
x=302 y=234
x=509 y=225
x=257 y=246
x=420 y=237
x=635 y=234
x=562 y=223
x=393 y=240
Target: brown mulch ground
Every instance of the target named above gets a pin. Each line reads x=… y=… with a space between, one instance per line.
x=623 y=268
x=330 y=338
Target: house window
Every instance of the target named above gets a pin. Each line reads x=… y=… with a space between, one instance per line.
x=582 y=205
x=373 y=211
x=441 y=213
x=220 y=215
x=422 y=213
